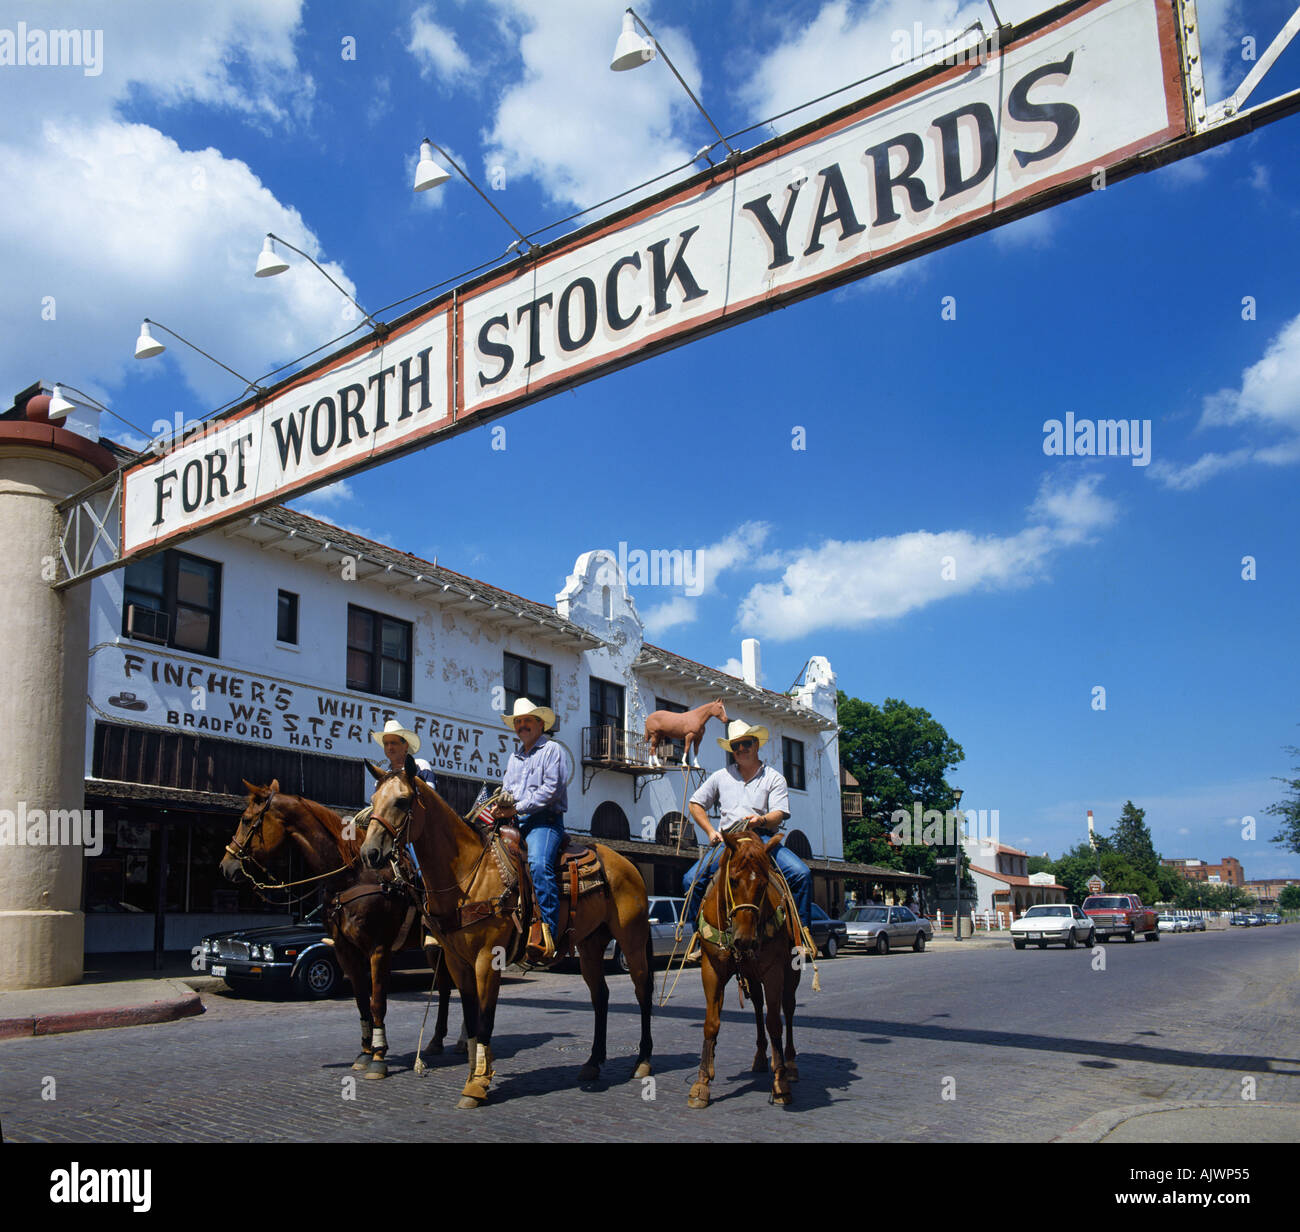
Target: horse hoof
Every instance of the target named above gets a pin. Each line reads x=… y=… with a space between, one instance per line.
x=434 y=1049
x=699 y=1096
x=642 y=1070
x=589 y=1073
x=468 y=1101
x=760 y=1065
x=363 y=1059
x=378 y=1068
x=781 y=1101
x=791 y=1071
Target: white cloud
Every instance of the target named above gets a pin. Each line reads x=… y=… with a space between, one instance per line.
x=437 y=52
x=733 y=667
x=735 y=550
x=580 y=130
x=843 y=43
x=117 y=222
x=1267 y=398
x=849 y=584
x=328 y=497
x=129 y=226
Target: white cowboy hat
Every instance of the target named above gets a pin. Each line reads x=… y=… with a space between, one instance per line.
x=394 y=728
x=524 y=709
x=738 y=729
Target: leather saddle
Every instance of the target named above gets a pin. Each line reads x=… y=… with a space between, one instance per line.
x=580 y=872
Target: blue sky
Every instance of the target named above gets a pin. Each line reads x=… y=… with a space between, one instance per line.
x=150 y=185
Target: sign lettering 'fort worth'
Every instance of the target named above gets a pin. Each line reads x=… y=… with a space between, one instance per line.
x=948 y=151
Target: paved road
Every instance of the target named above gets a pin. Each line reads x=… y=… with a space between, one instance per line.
x=954 y=1044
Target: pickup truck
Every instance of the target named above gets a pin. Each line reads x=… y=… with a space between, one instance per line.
x=1123 y=915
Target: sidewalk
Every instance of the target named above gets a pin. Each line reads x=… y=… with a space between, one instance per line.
x=117 y=990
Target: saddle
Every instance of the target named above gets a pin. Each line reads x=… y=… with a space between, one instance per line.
x=580 y=872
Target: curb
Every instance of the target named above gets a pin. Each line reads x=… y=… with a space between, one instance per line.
x=1097 y=1127
x=169 y=1010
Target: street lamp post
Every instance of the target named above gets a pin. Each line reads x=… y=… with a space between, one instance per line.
x=956 y=864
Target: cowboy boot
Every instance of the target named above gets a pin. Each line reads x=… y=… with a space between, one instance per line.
x=541 y=946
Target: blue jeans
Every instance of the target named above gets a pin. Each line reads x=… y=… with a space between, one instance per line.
x=793 y=869
x=545 y=833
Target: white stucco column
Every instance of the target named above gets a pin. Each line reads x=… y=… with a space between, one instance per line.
x=43 y=665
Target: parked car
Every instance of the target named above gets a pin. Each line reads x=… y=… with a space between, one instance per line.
x=1197 y=923
x=1047 y=924
x=287 y=959
x=1272 y=917
x=1241 y=921
x=1167 y=923
x=829 y=934
x=664 y=914
x=281 y=959
x=879 y=929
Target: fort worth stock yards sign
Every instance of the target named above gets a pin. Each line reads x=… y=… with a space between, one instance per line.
x=948 y=151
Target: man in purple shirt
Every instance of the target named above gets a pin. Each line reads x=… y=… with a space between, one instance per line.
x=536 y=776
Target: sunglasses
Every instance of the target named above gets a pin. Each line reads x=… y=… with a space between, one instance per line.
x=744 y=744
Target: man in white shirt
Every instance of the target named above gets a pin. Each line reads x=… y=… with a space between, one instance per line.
x=396 y=742
x=751 y=794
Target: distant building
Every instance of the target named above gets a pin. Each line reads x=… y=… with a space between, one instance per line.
x=1003 y=881
x=1227 y=872
x=1266 y=889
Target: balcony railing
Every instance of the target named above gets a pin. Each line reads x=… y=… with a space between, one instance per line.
x=614 y=749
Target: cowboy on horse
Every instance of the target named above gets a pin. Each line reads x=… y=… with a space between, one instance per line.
x=536 y=776
x=751 y=795
x=396 y=742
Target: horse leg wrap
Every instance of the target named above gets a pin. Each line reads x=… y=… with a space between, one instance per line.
x=379 y=1040
x=482 y=1074
x=363 y=1058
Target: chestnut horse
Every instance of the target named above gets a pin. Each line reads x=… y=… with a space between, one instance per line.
x=748 y=933
x=366 y=916
x=470 y=896
x=687 y=726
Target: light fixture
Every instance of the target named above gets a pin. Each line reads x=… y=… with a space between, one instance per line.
x=147 y=346
x=632 y=51
x=270 y=263
x=428 y=173
x=61 y=407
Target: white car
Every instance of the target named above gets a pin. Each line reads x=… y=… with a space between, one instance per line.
x=1167 y=923
x=1053 y=924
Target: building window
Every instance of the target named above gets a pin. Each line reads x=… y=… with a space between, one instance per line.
x=792 y=762
x=526 y=678
x=379 y=654
x=606 y=704
x=286 y=618
x=173 y=599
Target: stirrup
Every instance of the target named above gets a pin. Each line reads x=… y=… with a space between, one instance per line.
x=543 y=954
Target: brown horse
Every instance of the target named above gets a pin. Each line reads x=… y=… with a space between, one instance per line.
x=471 y=892
x=748 y=933
x=687 y=726
x=367 y=914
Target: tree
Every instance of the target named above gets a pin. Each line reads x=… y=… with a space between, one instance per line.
x=1289 y=899
x=1131 y=839
x=1288 y=810
x=900 y=754
x=1040 y=864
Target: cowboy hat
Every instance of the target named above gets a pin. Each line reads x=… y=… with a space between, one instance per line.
x=394 y=728
x=525 y=709
x=738 y=729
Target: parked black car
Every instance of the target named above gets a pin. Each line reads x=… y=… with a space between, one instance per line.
x=829 y=934
x=281 y=959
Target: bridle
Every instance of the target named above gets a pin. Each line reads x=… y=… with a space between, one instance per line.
x=732 y=905
x=255 y=826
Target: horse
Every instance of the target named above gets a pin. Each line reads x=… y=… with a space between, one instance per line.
x=367 y=914
x=748 y=932
x=472 y=886
x=687 y=726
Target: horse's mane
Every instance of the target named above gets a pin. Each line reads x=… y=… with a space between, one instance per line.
x=326 y=818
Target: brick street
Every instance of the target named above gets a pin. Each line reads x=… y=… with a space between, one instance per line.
x=1033 y=1043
